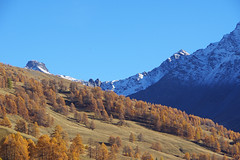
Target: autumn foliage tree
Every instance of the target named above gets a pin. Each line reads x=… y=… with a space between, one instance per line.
x=59 y=134
x=6 y=122
x=140 y=137
x=111 y=140
x=52 y=148
x=198 y=134
x=111 y=118
x=105 y=115
x=118 y=141
x=137 y=152
x=92 y=125
x=194 y=156
x=128 y=151
x=21 y=126
x=85 y=119
x=31 y=149
x=78 y=117
x=14 y=146
x=76 y=148
x=35 y=130
x=114 y=150
x=102 y=152
x=147 y=156
x=43 y=147
x=224 y=157
x=72 y=108
x=156 y=146
x=187 y=156
x=90 y=148
x=132 y=138
x=204 y=156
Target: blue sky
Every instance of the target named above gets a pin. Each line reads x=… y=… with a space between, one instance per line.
x=109 y=39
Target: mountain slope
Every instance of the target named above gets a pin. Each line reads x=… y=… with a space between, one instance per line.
x=48 y=98
x=206 y=84
x=143 y=80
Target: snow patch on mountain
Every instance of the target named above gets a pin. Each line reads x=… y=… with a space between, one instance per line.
x=137 y=82
x=69 y=78
x=91 y=82
x=218 y=63
x=143 y=80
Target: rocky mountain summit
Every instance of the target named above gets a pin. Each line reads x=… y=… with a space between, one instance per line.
x=38 y=66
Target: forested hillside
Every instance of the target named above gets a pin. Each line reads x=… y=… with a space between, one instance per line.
x=67 y=119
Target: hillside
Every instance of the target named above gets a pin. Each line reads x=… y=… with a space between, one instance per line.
x=32 y=96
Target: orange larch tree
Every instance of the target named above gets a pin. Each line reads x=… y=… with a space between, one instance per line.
x=14 y=146
x=76 y=148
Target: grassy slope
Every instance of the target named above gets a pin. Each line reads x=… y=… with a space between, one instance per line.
x=173 y=147
x=4 y=131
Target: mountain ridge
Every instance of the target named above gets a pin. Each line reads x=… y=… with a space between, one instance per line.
x=132 y=84
x=207 y=84
x=141 y=81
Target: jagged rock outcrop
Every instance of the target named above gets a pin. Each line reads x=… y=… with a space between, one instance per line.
x=38 y=66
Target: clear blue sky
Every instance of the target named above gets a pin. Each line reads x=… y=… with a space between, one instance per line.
x=109 y=39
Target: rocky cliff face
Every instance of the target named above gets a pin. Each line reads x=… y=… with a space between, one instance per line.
x=38 y=66
x=219 y=63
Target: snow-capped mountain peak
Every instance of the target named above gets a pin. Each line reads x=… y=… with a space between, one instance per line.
x=206 y=66
x=206 y=83
x=143 y=80
x=38 y=66
x=178 y=55
x=218 y=63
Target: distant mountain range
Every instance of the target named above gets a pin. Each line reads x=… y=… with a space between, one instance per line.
x=205 y=83
x=143 y=80
x=129 y=85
